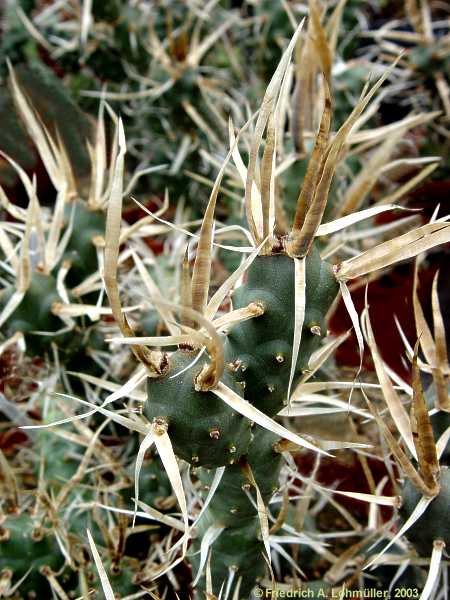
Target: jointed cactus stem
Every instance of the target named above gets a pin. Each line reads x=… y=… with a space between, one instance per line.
x=257 y=360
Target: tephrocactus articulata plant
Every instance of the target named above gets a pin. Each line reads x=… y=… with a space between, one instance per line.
x=38 y=304
x=167 y=61
x=235 y=497
x=210 y=401
x=426 y=491
x=422 y=453
x=47 y=499
x=55 y=289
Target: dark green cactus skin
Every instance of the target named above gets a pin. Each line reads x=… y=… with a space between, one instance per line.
x=154 y=485
x=122 y=580
x=434 y=524
x=426 y=61
x=382 y=577
x=231 y=504
x=274 y=31
x=440 y=422
x=34 y=313
x=148 y=325
x=59 y=463
x=16 y=43
x=258 y=355
x=238 y=549
x=19 y=551
x=14 y=141
x=50 y=99
x=239 y=546
x=260 y=349
x=195 y=417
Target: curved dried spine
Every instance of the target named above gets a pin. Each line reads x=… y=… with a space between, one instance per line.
x=156 y=362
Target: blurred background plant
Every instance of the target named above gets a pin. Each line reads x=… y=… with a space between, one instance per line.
x=165 y=64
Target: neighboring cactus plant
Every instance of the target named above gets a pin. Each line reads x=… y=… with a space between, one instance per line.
x=239 y=547
x=57 y=267
x=59 y=114
x=421 y=34
x=44 y=545
x=435 y=523
x=27 y=552
x=33 y=302
x=166 y=62
x=423 y=499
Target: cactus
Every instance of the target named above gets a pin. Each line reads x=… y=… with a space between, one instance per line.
x=424 y=72
x=423 y=497
x=60 y=115
x=440 y=421
x=263 y=374
x=88 y=225
x=210 y=438
x=239 y=548
x=32 y=303
x=260 y=350
x=55 y=272
x=46 y=544
x=434 y=524
x=175 y=91
x=28 y=551
x=220 y=379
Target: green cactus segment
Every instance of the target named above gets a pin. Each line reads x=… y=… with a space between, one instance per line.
x=258 y=354
x=207 y=433
x=14 y=141
x=149 y=323
x=427 y=61
x=239 y=546
x=382 y=576
x=154 y=485
x=59 y=462
x=231 y=504
x=23 y=547
x=203 y=429
x=259 y=351
x=49 y=98
x=81 y=251
x=16 y=44
x=434 y=524
x=121 y=580
x=34 y=313
x=237 y=549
